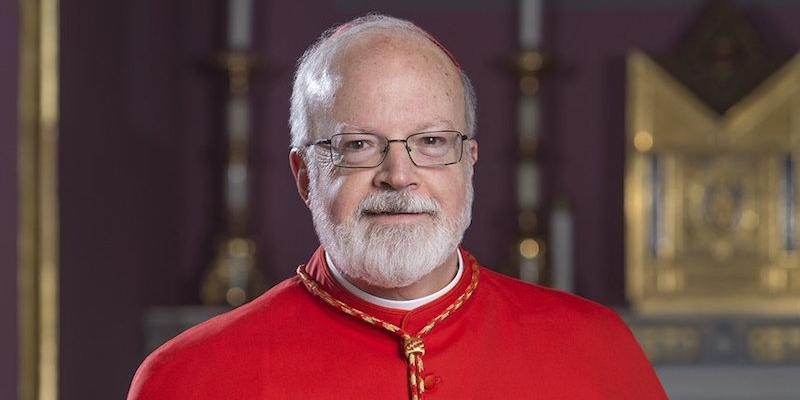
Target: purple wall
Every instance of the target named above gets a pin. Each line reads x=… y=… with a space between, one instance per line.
x=9 y=60
x=137 y=157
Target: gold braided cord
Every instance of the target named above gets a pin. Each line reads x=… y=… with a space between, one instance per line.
x=413 y=345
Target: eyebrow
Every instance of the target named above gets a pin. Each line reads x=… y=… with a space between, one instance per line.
x=347 y=128
x=440 y=125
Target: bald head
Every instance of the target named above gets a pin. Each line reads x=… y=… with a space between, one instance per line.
x=406 y=77
x=362 y=51
x=396 y=46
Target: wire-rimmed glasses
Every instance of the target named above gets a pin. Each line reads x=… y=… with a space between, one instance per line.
x=368 y=150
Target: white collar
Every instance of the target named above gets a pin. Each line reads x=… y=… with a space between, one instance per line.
x=396 y=304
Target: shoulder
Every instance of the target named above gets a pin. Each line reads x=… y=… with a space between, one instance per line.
x=545 y=305
x=566 y=322
x=197 y=353
x=239 y=323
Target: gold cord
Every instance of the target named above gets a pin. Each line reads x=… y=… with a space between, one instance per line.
x=413 y=345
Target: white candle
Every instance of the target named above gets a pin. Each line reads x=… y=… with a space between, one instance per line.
x=530 y=24
x=239 y=13
x=238 y=119
x=561 y=227
x=528 y=184
x=529 y=270
x=528 y=118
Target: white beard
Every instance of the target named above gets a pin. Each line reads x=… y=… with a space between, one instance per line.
x=390 y=255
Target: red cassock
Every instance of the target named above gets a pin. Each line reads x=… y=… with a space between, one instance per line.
x=509 y=340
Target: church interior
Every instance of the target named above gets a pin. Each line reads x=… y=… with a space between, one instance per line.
x=642 y=154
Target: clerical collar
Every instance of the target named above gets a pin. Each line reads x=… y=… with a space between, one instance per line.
x=397 y=304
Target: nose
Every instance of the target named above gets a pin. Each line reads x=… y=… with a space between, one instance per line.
x=397 y=171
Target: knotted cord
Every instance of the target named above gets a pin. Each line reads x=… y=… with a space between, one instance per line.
x=413 y=345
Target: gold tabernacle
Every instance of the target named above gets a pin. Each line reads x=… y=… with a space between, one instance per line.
x=711 y=198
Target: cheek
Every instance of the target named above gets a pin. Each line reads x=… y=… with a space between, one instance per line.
x=457 y=189
x=343 y=195
x=452 y=191
x=458 y=197
x=324 y=189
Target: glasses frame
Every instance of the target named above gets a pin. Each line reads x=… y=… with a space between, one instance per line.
x=327 y=142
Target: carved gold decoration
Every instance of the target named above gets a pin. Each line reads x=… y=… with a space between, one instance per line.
x=669 y=343
x=239 y=66
x=38 y=201
x=529 y=248
x=233 y=278
x=530 y=264
x=721 y=339
x=774 y=344
x=529 y=64
x=711 y=200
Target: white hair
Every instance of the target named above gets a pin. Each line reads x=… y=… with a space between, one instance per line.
x=314 y=85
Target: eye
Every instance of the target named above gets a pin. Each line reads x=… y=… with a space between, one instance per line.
x=354 y=145
x=432 y=140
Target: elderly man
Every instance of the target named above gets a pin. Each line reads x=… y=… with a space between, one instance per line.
x=389 y=307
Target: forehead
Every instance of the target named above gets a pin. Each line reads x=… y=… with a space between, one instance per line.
x=386 y=77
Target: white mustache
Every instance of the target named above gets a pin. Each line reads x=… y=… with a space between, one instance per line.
x=396 y=203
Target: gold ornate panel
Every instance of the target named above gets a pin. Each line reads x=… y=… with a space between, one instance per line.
x=712 y=201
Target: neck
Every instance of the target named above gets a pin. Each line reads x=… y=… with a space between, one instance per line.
x=429 y=284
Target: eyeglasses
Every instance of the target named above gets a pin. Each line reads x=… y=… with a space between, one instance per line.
x=368 y=150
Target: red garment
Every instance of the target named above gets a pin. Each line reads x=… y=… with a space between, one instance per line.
x=511 y=340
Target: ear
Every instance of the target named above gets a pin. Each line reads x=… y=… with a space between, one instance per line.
x=300 y=173
x=473 y=151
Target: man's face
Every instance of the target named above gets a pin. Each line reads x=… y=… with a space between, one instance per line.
x=412 y=215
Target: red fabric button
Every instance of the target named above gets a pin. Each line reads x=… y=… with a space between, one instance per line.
x=431 y=381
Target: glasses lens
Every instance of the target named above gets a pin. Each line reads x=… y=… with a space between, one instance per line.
x=435 y=148
x=357 y=149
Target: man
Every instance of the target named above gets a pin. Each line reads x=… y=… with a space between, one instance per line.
x=389 y=307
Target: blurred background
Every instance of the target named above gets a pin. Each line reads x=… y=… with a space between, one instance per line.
x=143 y=146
